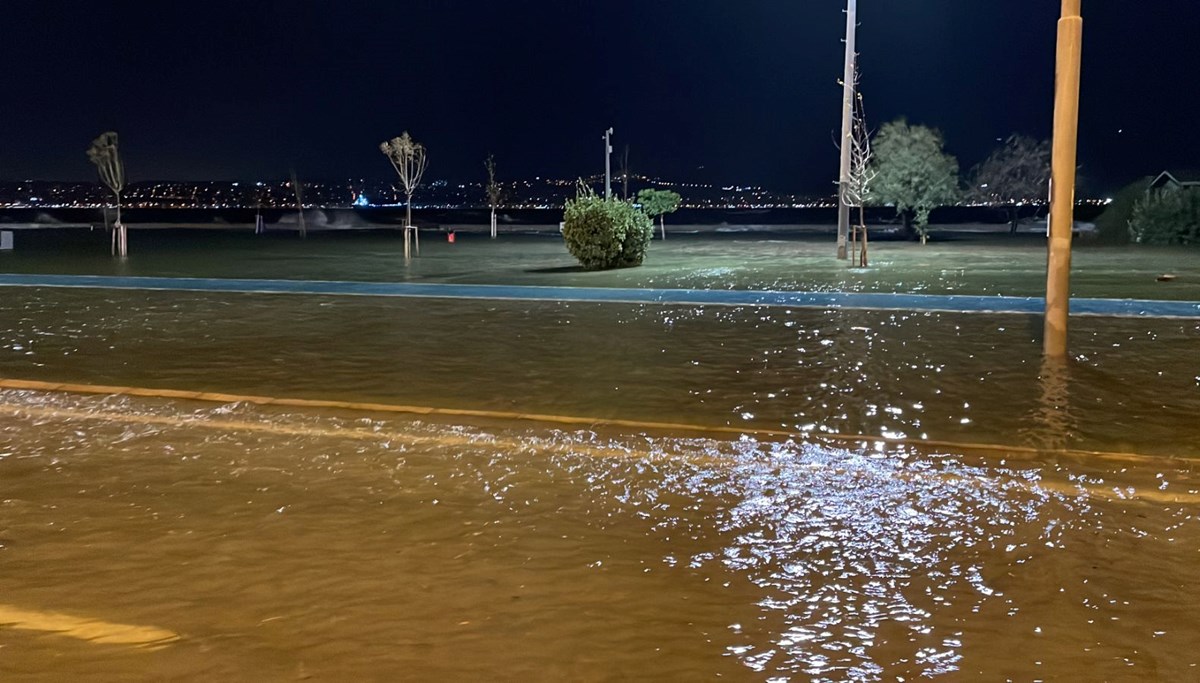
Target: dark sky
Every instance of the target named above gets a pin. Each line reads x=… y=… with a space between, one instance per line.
x=714 y=90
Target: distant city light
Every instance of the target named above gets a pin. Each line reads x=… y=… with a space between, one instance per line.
x=537 y=193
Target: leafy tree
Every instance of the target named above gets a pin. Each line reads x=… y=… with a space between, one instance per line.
x=605 y=233
x=107 y=158
x=659 y=203
x=409 y=160
x=1167 y=217
x=1017 y=171
x=914 y=173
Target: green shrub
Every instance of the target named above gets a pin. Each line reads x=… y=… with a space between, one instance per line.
x=1112 y=226
x=1167 y=217
x=605 y=233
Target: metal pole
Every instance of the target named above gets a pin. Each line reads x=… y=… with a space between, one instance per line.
x=1062 y=178
x=608 y=164
x=847 y=127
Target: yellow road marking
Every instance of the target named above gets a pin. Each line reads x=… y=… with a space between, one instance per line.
x=669 y=427
x=91 y=630
x=514 y=445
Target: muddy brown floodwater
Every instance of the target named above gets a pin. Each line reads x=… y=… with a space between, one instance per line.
x=147 y=538
x=276 y=545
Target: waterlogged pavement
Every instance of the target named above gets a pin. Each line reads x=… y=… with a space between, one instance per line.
x=871 y=301
x=977 y=265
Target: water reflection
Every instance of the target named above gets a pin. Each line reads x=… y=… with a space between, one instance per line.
x=917 y=375
x=401 y=549
x=869 y=564
x=1051 y=424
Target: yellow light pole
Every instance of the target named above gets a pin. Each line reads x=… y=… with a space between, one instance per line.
x=1062 y=178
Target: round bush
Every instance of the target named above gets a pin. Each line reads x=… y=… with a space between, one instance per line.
x=605 y=233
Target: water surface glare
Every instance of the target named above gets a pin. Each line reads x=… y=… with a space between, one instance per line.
x=298 y=545
x=285 y=543
x=1134 y=385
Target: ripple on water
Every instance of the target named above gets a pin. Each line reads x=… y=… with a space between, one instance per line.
x=977 y=377
x=389 y=546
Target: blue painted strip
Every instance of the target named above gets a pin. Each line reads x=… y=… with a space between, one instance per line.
x=1141 y=308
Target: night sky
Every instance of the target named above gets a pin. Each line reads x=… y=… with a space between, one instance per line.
x=707 y=90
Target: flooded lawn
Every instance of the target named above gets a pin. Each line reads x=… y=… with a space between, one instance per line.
x=1000 y=265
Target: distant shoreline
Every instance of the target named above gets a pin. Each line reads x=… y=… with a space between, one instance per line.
x=782 y=230
x=815 y=220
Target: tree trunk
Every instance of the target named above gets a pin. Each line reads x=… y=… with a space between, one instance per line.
x=662 y=224
x=493 y=222
x=863 y=263
x=122 y=244
x=409 y=226
x=853 y=252
x=909 y=231
x=862 y=223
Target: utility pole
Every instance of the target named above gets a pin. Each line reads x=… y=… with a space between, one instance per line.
x=1062 y=178
x=847 y=127
x=608 y=164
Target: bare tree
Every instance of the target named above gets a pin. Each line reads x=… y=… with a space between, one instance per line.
x=409 y=160
x=1015 y=173
x=856 y=192
x=105 y=155
x=494 y=192
x=625 y=173
x=299 y=205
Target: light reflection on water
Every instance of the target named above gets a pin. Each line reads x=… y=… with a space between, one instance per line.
x=336 y=546
x=1134 y=385
x=343 y=546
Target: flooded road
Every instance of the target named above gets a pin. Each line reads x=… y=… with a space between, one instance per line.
x=169 y=539
x=1134 y=385
x=288 y=546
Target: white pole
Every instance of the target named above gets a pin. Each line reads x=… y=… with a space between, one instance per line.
x=847 y=127
x=608 y=164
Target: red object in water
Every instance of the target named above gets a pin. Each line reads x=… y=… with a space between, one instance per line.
x=450 y=237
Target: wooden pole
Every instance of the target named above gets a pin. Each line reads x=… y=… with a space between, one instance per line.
x=1062 y=183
